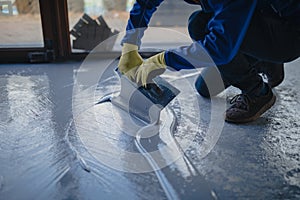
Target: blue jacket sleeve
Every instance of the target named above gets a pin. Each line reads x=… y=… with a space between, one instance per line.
x=140 y=16
x=227 y=29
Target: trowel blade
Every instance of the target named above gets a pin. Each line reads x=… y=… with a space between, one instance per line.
x=145 y=103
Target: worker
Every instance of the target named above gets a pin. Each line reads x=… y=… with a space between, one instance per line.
x=243 y=38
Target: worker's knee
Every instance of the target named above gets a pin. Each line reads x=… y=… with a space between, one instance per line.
x=197 y=25
x=210 y=82
x=201 y=87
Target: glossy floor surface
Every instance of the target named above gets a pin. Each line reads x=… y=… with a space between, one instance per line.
x=51 y=148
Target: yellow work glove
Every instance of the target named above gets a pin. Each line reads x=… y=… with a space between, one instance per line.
x=129 y=60
x=151 y=68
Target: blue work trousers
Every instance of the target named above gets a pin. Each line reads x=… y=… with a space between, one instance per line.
x=269 y=38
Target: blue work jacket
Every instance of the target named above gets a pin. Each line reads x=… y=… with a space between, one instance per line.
x=227 y=29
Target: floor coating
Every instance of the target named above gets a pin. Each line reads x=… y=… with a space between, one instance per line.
x=46 y=155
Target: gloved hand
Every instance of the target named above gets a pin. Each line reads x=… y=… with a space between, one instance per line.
x=151 y=68
x=130 y=60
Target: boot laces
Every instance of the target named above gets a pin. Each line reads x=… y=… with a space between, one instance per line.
x=241 y=101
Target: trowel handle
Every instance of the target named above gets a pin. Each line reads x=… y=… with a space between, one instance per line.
x=154 y=89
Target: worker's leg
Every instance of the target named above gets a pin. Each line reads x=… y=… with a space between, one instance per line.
x=256 y=97
x=197 y=25
x=274 y=72
x=209 y=78
x=198 y=29
x=268 y=38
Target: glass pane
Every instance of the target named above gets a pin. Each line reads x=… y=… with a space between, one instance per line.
x=86 y=34
x=20 y=23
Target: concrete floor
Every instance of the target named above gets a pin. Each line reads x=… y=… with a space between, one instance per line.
x=45 y=156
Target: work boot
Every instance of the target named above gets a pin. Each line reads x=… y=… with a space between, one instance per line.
x=247 y=108
x=273 y=71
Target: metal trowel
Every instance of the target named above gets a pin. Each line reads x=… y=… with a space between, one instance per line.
x=143 y=103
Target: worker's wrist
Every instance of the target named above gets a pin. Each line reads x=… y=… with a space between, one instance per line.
x=159 y=59
x=128 y=48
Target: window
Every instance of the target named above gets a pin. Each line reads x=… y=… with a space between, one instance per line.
x=89 y=20
x=20 y=23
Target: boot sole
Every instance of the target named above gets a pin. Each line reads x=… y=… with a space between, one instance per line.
x=257 y=115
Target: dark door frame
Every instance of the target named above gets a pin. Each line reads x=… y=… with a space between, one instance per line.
x=55 y=25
